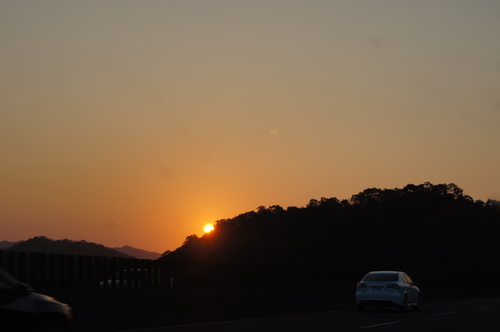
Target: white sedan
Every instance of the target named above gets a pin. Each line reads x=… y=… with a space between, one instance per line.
x=387 y=288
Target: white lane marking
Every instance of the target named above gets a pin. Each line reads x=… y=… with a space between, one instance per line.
x=382 y=324
x=445 y=313
x=485 y=307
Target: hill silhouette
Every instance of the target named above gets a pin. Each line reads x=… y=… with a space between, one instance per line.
x=43 y=244
x=422 y=229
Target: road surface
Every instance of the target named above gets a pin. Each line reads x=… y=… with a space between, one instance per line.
x=464 y=315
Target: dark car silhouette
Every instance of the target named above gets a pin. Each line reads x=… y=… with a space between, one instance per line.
x=21 y=309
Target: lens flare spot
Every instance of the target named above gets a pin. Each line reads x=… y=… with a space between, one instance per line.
x=273 y=131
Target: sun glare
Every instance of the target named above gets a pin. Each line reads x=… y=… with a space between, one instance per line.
x=208 y=228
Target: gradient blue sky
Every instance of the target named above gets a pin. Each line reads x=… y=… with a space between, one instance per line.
x=138 y=122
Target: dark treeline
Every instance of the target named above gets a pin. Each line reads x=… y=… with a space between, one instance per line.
x=431 y=231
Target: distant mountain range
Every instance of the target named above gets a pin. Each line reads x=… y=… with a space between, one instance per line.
x=138 y=253
x=46 y=245
x=7 y=244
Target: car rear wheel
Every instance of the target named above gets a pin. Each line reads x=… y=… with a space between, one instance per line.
x=404 y=306
x=418 y=305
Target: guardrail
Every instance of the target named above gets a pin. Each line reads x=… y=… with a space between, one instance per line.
x=42 y=270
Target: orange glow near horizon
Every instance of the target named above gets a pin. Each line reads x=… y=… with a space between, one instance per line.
x=203 y=111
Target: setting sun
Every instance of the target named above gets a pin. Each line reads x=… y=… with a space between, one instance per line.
x=208 y=228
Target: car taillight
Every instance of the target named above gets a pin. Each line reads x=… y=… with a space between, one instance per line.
x=393 y=286
x=361 y=285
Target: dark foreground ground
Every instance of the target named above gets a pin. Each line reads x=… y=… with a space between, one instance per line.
x=457 y=316
x=127 y=309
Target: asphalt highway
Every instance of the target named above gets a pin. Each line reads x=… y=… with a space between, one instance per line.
x=460 y=315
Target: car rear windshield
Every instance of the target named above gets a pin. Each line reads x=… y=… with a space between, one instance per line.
x=381 y=277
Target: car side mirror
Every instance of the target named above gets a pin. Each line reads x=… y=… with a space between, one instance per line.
x=22 y=290
x=13 y=292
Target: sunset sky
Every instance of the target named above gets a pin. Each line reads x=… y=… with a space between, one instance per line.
x=138 y=122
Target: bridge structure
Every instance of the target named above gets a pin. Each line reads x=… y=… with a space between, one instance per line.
x=42 y=270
